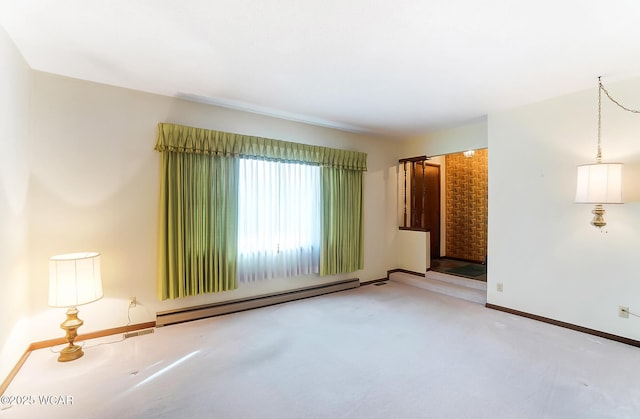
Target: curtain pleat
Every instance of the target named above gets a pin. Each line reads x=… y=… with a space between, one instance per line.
x=342 y=221
x=198 y=225
x=184 y=139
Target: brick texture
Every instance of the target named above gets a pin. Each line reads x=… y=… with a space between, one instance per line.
x=467 y=205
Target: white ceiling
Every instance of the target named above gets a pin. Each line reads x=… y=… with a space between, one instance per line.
x=389 y=67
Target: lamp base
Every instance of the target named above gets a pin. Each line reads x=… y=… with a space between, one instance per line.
x=71 y=325
x=70 y=353
x=598 y=216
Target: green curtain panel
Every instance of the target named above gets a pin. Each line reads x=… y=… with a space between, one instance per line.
x=198 y=225
x=183 y=139
x=342 y=223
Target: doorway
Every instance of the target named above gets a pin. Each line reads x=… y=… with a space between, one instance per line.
x=465 y=214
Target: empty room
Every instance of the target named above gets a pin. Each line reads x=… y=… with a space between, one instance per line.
x=284 y=209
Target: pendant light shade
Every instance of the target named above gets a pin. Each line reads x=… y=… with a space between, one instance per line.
x=599 y=183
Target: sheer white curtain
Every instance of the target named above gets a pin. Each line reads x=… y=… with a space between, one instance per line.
x=278 y=219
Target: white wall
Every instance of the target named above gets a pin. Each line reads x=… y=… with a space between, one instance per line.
x=95 y=184
x=415 y=254
x=14 y=183
x=551 y=261
x=452 y=140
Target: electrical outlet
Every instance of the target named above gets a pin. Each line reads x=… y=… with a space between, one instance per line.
x=499 y=287
x=133 y=302
x=623 y=312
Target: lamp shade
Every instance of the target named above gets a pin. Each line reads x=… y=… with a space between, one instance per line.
x=74 y=279
x=599 y=183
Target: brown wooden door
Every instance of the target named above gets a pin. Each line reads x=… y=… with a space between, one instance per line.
x=425 y=202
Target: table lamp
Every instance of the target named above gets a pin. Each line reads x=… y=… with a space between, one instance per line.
x=74 y=279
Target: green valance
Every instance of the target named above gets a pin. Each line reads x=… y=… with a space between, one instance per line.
x=184 y=139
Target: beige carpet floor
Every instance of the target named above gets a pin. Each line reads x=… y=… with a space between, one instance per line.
x=390 y=351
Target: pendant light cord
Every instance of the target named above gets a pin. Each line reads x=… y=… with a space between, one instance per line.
x=615 y=101
x=601 y=89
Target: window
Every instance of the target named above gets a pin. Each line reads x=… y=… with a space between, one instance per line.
x=278 y=219
x=229 y=212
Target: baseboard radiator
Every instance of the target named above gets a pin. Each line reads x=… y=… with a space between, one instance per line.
x=165 y=318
